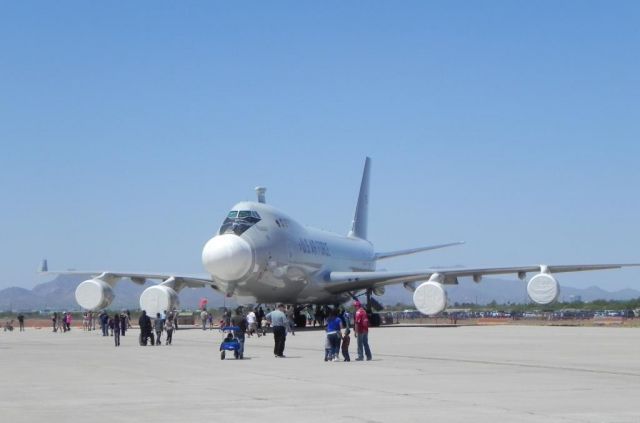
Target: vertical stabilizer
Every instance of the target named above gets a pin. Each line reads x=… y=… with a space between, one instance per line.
x=359 y=225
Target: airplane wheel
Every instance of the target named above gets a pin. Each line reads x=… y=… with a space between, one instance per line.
x=221 y=355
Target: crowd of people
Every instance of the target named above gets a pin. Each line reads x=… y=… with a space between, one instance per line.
x=61 y=322
x=151 y=332
x=337 y=322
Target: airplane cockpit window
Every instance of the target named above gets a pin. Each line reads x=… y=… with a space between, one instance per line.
x=238 y=222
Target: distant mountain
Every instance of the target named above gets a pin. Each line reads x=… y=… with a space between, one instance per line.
x=59 y=294
x=15 y=298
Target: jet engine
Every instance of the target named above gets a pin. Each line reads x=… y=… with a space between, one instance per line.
x=94 y=294
x=430 y=298
x=543 y=288
x=158 y=298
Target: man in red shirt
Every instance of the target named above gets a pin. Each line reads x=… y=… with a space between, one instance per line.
x=362 y=331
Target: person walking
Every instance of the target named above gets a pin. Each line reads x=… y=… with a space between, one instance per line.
x=361 y=328
x=158 y=326
x=104 y=323
x=239 y=323
x=290 y=321
x=116 y=329
x=203 y=319
x=346 y=318
x=252 y=328
x=346 y=340
x=21 y=321
x=259 y=319
x=54 y=321
x=145 y=328
x=169 y=326
x=62 y=326
x=333 y=335
x=278 y=321
x=124 y=322
x=175 y=316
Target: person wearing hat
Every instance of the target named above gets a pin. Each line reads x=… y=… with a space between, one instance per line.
x=361 y=328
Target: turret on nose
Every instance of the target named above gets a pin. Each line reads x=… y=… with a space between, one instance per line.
x=227 y=257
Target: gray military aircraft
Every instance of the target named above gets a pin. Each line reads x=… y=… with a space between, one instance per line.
x=261 y=255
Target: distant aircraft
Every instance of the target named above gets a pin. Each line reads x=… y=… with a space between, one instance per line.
x=261 y=255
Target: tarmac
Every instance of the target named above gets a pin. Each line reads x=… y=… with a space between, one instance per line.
x=418 y=374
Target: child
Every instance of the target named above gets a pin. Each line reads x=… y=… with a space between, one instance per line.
x=345 y=345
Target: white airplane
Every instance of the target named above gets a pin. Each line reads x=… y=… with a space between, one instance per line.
x=261 y=255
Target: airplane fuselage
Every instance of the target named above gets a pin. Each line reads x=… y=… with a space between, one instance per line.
x=261 y=255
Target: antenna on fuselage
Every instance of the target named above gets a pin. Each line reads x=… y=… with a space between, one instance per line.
x=260 y=191
x=359 y=225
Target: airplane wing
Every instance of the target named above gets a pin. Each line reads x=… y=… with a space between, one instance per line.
x=97 y=292
x=389 y=254
x=190 y=281
x=339 y=282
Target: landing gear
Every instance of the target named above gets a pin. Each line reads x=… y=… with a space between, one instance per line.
x=300 y=320
x=299 y=317
x=374 y=318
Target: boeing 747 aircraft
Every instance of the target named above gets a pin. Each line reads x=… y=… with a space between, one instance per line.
x=262 y=255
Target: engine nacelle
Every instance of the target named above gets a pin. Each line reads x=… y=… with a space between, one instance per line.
x=94 y=294
x=543 y=289
x=157 y=299
x=430 y=298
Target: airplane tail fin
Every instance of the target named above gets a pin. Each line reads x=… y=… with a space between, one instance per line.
x=359 y=225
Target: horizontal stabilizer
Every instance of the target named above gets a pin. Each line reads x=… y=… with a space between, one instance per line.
x=380 y=256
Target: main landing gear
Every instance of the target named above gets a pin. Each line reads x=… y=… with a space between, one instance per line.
x=374 y=318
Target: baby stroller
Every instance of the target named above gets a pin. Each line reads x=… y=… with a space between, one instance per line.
x=8 y=326
x=229 y=342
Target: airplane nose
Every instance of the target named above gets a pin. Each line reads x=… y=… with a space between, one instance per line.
x=227 y=257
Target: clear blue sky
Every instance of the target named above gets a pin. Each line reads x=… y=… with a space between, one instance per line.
x=128 y=129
